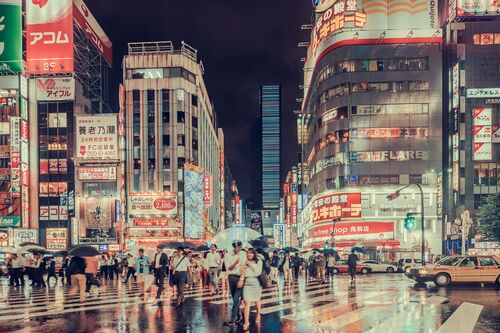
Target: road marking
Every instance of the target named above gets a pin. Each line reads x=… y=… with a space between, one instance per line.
x=463 y=319
x=292 y=304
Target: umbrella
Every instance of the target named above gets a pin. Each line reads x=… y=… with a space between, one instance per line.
x=39 y=250
x=8 y=249
x=83 y=251
x=28 y=243
x=202 y=248
x=290 y=249
x=263 y=253
x=170 y=245
x=32 y=248
x=225 y=238
x=358 y=249
x=318 y=250
x=188 y=245
x=62 y=253
x=332 y=252
x=259 y=243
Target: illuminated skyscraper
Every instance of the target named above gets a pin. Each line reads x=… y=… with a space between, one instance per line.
x=270 y=107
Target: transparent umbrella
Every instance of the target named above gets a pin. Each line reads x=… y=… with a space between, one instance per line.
x=225 y=238
x=8 y=249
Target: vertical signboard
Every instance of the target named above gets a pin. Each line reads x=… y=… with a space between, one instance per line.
x=193 y=204
x=97 y=137
x=15 y=156
x=49 y=36
x=57 y=238
x=10 y=36
x=207 y=189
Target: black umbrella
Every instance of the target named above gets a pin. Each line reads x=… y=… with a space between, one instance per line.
x=29 y=243
x=83 y=251
x=333 y=253
x=318 y=250
x=290 y=249
x=263 y=253
x=62 y=253
x=38 y=250
x=170 y=245
x=188 y=245
x=201 y=248
x=259 y=244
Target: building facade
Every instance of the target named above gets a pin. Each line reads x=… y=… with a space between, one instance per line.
x=173 y=153
x=472 y=105
x=270 y=108
x=372 y=124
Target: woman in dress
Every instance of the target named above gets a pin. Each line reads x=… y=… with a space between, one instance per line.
x=223 y=276
x=252 y=290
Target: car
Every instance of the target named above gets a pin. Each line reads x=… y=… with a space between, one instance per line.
x=377 y=266
x=456 y=269
x=406 y=263
x=342 y=267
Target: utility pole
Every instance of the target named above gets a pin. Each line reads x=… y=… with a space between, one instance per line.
x=466 y=224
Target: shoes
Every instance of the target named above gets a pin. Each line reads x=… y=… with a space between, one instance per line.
x=230 y=323
x=257 y=319
x=245 y=327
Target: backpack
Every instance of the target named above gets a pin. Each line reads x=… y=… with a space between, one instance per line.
x=267 y=267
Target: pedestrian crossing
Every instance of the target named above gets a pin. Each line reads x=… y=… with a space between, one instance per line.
x=336 y=306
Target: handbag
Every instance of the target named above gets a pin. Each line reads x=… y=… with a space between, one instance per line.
x=173 y=273
x=263 y=279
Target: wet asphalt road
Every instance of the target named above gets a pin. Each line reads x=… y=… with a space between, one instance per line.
x=375 y=303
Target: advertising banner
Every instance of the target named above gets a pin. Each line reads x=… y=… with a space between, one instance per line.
x=482 y=133
x=353 y=231
x=477 y=7
x=164 y=204
x=482 y=92
x=256 y=221
x=49 y=36
x=53 y=213
x=25 y=235
x=482 y=152
x=15 y=156
x=482 y=116
x=55 y=89
x=11 y=37
x=193 y=196
x=57 y=238
x=330 y=206
x=97 y=173
x=207 y=189
x=96 y=213
x=94 y=32
x=10 y=221
x=97 y=137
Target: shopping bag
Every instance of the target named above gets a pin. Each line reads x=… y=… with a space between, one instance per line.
x=148 y=281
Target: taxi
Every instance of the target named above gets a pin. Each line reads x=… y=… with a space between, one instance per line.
x=457 y=269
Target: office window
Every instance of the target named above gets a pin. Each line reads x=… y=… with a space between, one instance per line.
x=181 y=117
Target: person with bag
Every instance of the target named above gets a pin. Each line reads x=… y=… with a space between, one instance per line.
x=274 y=267
x=130 y=268
x=91 y=269
x=103 y=266
x=251 y=280
x=142 y=264
x=180 y=266
x=234 y=261
x=213 y=263
x=160 y=262
x=287 y=268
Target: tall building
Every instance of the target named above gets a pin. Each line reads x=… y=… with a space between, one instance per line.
x=372 y=125
x=173 y=154
x=270 y=108
x=472 y=105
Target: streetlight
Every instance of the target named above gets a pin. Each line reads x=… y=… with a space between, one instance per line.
x=395 y=195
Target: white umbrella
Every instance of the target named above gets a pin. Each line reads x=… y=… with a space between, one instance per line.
x=31 y=248
x=8 y=249
x=225 y=238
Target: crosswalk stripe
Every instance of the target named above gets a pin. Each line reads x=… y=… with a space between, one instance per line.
x=463 y=319
x=290 y=305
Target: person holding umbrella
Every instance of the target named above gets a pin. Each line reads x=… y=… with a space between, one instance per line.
x=76 y=270
x=180 y=267
x=351 y=263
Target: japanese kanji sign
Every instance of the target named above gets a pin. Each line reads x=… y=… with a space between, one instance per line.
x=57 y=238
x=97 y=137
x=343 y=205
x=55 y=89
x=353 y=231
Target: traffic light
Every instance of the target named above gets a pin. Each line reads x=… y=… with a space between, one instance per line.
x=409 y=222
x=392 y=196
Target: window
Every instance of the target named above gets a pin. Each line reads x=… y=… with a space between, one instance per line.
x=137 y=164
x=180 y=117
x=419 y=85
x=469 y=262
x=449 y=261
x=194 y=122
x=180 y=162
x=180 y=140
x=486 y=39
x=487 y=261
x=194 y=100
x=166 y=163
x=166 y=140
x=145 y=73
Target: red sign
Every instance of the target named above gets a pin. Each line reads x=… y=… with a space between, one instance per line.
x=294 y=215
x=49 y=36
x=139 y=222
x=97 y=173
x=25 y=131
x=343 y=205
x=53 y=166
x=207 y=184
x=165 y=204
x=353 y=230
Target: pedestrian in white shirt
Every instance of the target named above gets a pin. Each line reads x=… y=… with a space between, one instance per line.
x=234 y=261
x=213 y=263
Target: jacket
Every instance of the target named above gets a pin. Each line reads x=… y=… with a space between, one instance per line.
x=77 y=265
x=163 y=261
x=275 y=261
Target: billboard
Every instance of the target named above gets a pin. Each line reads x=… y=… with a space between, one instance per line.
x=88 y=23
x=53 y=213
x=97 y=213
x=55 y=89
x=207 y=189
x=477 y=7
x=193 y=197
x=482 y=116
x=10 y=36
x=15 y=156
x=482 y=152
x=153 y=204
x=256 y=221
x=334 y=205
x=57 y=238
x=97 y=137
x=352 y=231
x=97 y=173
x=49 y=36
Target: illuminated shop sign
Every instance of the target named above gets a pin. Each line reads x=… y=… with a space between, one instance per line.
x=97 y=137
x=477 y=7
x=55 y=89
x=193 y=204
x=456 y=86
x=395 y=132
x=343 y=205
x=53 y=166
x=97 y=173
x=495 y=136
x=352 y=231
x=153 y=203
x=482 y=133
x=207 y=189
x=57 y=238
x=385 y=156
x=362 y=110
x=53 y=213
x=482 y=93
x=155 y=222
x=333 y=160
x=482 y=116
x=11 y=37
x=482 y=152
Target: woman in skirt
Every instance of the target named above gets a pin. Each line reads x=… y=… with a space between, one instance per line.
x=252 y=290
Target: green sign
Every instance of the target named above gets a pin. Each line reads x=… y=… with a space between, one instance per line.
x=10 y=36
x=9 y=221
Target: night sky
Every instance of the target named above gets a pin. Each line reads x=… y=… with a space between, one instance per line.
x=242 y=45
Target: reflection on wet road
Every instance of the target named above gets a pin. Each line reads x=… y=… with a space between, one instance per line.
x=376 y=303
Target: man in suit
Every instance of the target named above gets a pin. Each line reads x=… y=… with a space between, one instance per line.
x=159 y=265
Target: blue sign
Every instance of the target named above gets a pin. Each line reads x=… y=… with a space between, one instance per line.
x=103 y=247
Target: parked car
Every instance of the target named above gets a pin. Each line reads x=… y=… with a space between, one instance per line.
x=379 y=267
x=405 y=264
x=342 y=267
x=456 y=269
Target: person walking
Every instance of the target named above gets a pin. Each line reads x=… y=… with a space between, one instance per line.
x=252 y=289
x=63 y=273
x=296 y=262
x=142 y=264
x=223 y=275
x=130 y=268
x=330 y=263
x=39 y=270
x=76 y=270
x=91 y=269
x=180 y=267
x=51 y=270
x=213 y=262
x=234 y=261
x=312 y=266
x=321 y=264
x=160 y=263
x=351 y=263
x=287 y=268
x=112 y=267
x=103 y=264
x=17 y=277
x=274 y=267
x=204 y=271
